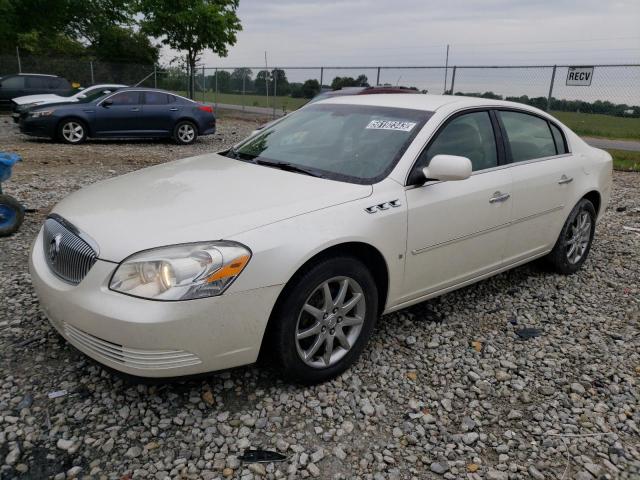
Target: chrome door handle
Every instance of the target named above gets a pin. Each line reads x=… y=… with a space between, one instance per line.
x=564 y=179
x=135 y=109
x=174 y=109
x=499 y=197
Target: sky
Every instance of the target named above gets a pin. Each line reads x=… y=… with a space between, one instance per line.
x=416 y=32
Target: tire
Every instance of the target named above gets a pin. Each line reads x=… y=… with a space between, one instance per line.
x=11 y=215
x=72 y=131
x=185 y=133
x=574 y=243
x=323 y=323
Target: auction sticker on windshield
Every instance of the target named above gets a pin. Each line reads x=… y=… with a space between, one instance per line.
x=391 y=125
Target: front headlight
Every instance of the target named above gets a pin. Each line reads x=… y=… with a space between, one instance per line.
x=181 y=272
x=42 y=113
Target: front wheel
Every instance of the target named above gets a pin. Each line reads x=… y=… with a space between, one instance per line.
x=72 y=131
x=325 y=320
x=574 y=243
x=11 y=215
x=185 y=133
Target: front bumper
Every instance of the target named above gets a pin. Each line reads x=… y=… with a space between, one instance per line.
x=38 y=127
x=152 y=338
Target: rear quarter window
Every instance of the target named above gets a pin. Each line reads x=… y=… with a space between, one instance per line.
x=558 y=137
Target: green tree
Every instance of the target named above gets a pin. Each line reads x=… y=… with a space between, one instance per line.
x=118 y=44
x=310 y=88
x=279 y=82
x=263 y=79
x=192 y=26
x=240 y=77
x=341 y=82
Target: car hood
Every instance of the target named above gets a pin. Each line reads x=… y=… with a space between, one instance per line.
x=45 y=97
x=209 y=197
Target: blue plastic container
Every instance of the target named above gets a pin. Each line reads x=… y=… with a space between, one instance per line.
x=7 y=161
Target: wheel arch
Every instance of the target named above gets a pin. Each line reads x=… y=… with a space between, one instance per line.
x=366 y=253
x=595 y=198
x=77 y=118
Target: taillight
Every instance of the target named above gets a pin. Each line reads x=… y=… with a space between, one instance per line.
x=206 y=108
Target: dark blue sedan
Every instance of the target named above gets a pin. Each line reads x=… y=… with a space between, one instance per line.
x=127 y=113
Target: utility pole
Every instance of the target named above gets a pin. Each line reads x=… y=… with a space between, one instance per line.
x=266 y=78
x=18 y=56
x=446 y=69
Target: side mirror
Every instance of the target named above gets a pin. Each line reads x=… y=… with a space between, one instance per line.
x=107 y=103
x=448 y=167
x=82 y=96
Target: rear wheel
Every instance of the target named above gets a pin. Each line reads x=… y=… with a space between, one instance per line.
x=11 y=215
x=574 y=243
x=185 y=133
x=72 y=131
x=325 y=320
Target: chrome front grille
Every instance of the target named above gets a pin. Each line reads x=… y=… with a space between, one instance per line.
x=67 y=251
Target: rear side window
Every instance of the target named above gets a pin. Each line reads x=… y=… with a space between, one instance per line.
x=528 y=136
x=126 y=98
x=558 y=137
x=469 y=135
x=37 y=82
x=155 y=98
x=13 y=82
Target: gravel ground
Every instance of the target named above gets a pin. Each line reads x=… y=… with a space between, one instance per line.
x=446 y=389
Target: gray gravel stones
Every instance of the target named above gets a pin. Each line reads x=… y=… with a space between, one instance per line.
x=445 y=389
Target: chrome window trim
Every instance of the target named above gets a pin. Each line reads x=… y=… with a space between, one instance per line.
x=144 y=90
x=487 y=107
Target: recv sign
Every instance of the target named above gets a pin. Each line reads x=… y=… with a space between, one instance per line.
x=579 y=76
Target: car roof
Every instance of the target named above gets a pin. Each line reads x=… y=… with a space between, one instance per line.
x=31 y=75
x=420 y=101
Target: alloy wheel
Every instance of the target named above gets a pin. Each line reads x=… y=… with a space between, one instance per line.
x=330 y=322
x=579 y=235
x=186 y=133
x=72 y=132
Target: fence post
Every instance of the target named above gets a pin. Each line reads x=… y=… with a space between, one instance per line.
x=378 y=77
x=275 y=90
x=453 y=80
x=216 y=95
x=553 y=77
x=244 y=76
x=321 y=77
x=91 y=67
x=18 y=57
x=204 y=83
x=155 y=77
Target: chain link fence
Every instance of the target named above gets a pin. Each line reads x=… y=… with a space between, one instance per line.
x=612 y=90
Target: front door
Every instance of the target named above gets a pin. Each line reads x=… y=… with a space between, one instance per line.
x=457 y=229
x=121 y=116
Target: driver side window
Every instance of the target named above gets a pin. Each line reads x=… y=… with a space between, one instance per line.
x=469 y=135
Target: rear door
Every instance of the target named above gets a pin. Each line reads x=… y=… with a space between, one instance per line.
x=123 y=117
x=543 y=172
x=457 y=229
x=35 y=85
x=159 y=112
x=11 y=87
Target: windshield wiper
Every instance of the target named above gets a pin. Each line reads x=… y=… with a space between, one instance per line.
x=238 y=155
x=289 y=167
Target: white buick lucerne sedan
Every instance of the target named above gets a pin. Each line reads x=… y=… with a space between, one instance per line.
x=297 y=239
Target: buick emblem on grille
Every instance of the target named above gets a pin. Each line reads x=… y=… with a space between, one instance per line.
x=54 y=247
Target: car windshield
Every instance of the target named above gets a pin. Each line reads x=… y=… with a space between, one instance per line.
x=356 y=143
